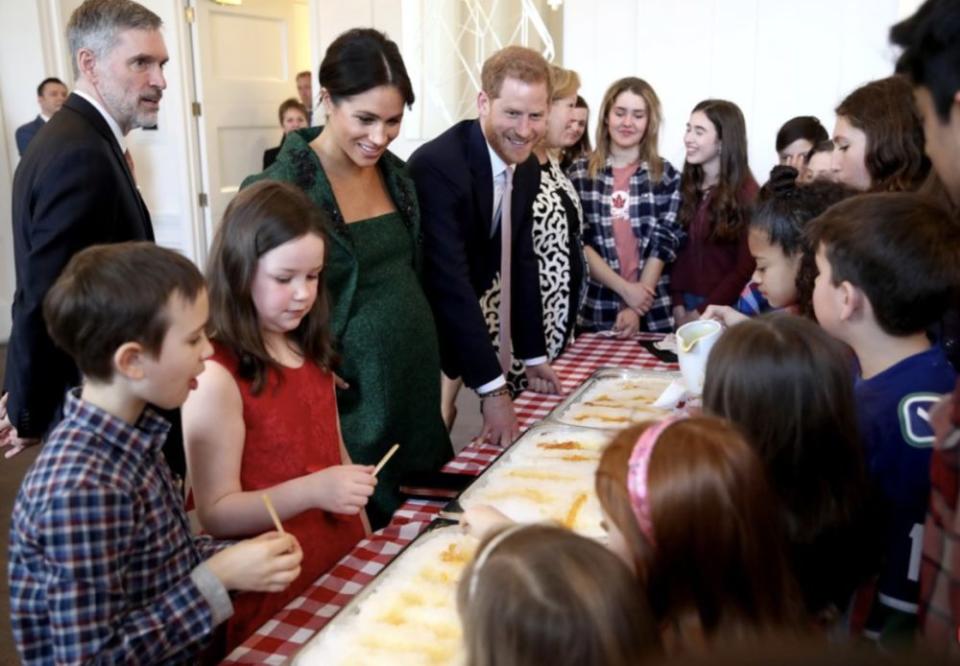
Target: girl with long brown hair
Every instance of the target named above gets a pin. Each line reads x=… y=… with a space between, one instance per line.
x=687 y=505
x=263 y=418
x=630 y=197
x=718 y=188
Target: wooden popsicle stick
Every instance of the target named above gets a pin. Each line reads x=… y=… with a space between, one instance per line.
x=273 y=513
x=385 y=458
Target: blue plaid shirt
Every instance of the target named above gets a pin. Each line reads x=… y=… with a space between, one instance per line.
x=103 y=567
x=751 y=301
x=653 y=215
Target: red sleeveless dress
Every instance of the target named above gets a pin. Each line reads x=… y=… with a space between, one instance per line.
x=291 y=430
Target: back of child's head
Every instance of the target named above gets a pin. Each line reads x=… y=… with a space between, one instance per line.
x=930 y=40
x=112 y=294
x=901 y=250
x=712 y=544
x=807 y=128
x=540 y=594
x=259 y=219
x=781 y=213
x=786 y=384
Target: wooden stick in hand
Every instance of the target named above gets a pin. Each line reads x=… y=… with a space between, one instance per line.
x=385 y=458
x=273 y=513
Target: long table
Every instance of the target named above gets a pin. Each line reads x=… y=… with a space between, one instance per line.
x=281 y=637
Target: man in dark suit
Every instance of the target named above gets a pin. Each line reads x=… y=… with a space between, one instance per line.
x=74 y=188
x=51 y=94
x=461 y=177
x=305 y=91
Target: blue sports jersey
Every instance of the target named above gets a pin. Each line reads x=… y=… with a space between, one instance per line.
x=892 y=410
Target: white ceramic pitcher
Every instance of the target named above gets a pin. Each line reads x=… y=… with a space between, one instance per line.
x=694 y=342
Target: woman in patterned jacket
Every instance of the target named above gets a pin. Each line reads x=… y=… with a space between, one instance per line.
x=630 y=197
x=558 y=218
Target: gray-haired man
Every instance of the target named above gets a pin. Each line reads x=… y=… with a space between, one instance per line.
x=76 y=188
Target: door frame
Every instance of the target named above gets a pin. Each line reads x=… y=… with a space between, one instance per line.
x=204 y=226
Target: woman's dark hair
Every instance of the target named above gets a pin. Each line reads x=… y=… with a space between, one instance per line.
x=729 y=215
x=260 y=218
x=886 y=112
x=801 y=127
x=362 y=59
x=797 y=410
x=782 y=211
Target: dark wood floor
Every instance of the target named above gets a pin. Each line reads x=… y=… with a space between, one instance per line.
x=11 y=473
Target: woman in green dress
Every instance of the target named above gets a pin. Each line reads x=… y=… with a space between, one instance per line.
x=381 y=320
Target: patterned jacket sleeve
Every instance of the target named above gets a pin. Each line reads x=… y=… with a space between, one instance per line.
x=89 y=532
x=667 y=233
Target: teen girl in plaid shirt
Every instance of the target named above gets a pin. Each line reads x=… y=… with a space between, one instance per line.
x=630 y=199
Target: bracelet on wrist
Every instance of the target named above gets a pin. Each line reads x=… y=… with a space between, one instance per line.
x=503 y=390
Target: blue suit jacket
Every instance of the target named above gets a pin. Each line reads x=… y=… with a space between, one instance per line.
x=455 y=188
x=26 y=132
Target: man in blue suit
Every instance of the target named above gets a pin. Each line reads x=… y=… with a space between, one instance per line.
x=51 y=94
x=461 y=183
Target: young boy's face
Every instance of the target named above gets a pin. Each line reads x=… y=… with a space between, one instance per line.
x=827 y=297
x=171 y=375
x=776 y=273
x=942 y=140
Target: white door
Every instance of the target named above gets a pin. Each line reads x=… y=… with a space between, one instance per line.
x=247 y=59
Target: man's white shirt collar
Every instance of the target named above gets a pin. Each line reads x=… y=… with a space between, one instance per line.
x=114 y=126
x=497 y=165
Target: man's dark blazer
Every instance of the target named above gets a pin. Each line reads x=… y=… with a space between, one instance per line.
x=72 y=189
x=26 y=132
x=455 y=188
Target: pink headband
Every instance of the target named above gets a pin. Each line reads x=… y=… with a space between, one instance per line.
x=637 y=472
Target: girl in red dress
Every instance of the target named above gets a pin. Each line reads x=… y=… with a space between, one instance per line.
x=264 y=418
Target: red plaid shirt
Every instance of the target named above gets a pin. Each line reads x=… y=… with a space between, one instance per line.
x=940 y=569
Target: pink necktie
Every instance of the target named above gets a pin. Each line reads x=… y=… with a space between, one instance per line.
x=505 y=252
x=129 y=158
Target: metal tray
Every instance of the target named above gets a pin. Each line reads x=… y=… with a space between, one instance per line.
x=438 y=528
x=513 y=456
x=558 y=412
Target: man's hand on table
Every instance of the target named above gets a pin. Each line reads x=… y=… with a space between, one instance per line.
x=499 y=420
x=543 y=379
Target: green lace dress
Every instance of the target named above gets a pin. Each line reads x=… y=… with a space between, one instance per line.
x=382 y=325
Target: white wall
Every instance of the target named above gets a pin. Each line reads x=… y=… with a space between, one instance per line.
x=775 y=58
x=23 y=64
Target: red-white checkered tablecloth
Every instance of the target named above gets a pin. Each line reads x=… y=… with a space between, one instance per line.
x=277 y=640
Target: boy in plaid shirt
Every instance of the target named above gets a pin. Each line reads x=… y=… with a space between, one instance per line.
x=103 y=566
